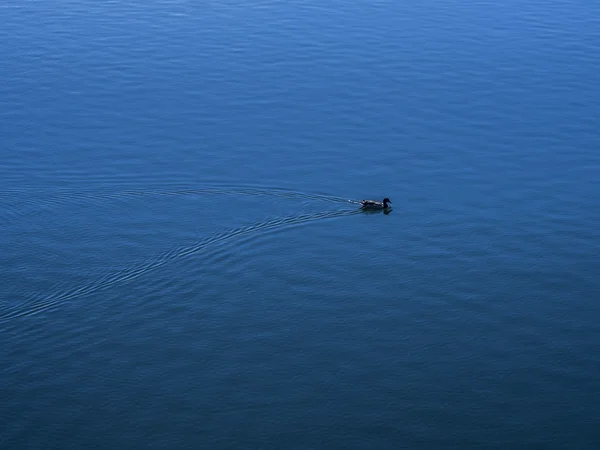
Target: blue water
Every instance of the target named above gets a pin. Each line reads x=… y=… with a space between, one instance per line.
x=183 y=262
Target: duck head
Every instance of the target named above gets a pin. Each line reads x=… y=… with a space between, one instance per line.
x=386 y=201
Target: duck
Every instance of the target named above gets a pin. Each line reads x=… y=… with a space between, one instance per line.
x=372 y=204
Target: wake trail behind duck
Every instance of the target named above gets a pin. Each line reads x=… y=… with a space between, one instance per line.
x=15 y=199
x=36 y=305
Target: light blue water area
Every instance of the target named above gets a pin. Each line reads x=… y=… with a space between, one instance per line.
x=183 y=259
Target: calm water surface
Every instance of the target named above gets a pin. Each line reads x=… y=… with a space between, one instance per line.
x=183 y=261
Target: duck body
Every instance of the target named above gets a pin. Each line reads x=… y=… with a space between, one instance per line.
x=372 y=204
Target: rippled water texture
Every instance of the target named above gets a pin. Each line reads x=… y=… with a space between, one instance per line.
x=185 y=264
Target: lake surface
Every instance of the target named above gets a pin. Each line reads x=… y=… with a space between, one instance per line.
x=184 y=264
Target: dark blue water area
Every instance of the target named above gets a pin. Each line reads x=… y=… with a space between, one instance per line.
x=184 y=263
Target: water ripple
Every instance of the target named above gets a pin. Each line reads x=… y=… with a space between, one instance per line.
x=36 y=305
x=14 y=200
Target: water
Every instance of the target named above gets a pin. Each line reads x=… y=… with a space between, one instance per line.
x=184 y=264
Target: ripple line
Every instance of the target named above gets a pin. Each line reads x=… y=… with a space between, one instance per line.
x=19 y=202
x=61 y=196
x=54 y=300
